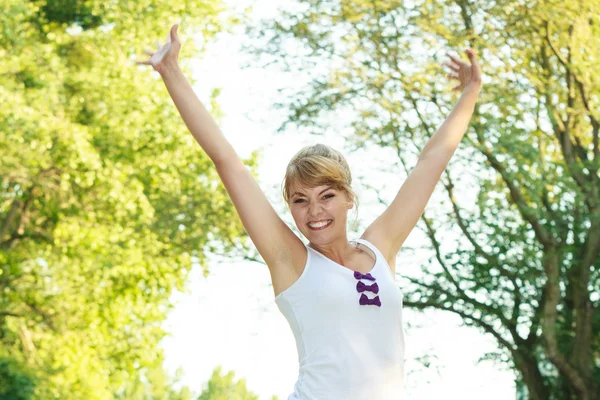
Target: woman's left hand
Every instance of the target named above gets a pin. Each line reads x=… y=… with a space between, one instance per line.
x=467 y=75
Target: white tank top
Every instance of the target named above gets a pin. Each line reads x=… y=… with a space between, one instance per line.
x=346 y=350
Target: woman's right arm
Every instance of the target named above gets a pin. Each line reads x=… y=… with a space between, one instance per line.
x=196 y=117
x=274 y=240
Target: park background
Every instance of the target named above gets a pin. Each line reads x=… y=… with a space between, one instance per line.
x=126 y=272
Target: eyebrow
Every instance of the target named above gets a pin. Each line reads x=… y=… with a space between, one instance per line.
x=324 y=190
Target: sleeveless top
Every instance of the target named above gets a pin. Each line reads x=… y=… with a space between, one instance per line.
x=348 y=330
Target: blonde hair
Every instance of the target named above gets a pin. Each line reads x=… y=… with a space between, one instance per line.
x=317 y=165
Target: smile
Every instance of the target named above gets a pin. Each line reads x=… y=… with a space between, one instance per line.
x=321 y=227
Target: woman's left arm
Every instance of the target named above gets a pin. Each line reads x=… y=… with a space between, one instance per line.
x=444 y=142
x=389 y=231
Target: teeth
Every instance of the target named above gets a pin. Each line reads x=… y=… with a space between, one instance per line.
x=318 y=225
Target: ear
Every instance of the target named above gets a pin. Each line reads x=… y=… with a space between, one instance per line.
x=349 y=201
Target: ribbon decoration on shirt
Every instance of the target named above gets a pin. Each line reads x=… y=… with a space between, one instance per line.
x=358 y=275
x=364 y=300
x=361 y=287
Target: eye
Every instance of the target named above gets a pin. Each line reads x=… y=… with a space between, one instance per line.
x=326 y=196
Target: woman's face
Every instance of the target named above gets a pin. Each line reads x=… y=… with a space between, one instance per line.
x=322 y=203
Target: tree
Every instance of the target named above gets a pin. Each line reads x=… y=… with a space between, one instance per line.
x=16 y=382
x=527 y=270
x=222 y=387
x=155 y=384
x=105 y=198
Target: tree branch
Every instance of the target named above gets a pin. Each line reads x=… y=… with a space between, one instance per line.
x=486 y=327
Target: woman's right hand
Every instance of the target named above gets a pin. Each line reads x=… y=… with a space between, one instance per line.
x=165 y=55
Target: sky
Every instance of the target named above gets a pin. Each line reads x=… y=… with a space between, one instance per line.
x=230 y=318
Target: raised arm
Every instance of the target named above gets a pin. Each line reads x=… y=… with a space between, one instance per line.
x=274 y=240
x=392 y=227
x=197 y=119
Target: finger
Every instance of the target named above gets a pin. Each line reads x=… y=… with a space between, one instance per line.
x=452 y=76
x=455 y=88
x=471 y=55
x=455 y=66
x=474 y=62
x=149 y=52
x=475 y=65
x=452 y=67
x=456 y=60
x=143 y=62
x=173 y=32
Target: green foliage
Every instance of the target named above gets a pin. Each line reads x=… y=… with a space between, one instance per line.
x=154 y=385
x=222 y=387
x=526 y=271
x=16 y=382
x=105 y=198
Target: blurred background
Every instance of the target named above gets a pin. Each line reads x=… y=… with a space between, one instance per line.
x=125 y=272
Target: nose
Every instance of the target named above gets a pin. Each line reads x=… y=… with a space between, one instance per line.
x=314 y=209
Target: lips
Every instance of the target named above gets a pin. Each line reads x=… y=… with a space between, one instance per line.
x=320 y=228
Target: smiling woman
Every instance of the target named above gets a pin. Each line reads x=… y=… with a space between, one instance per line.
x=315 y=166
x=350 y=342
x=339 y=327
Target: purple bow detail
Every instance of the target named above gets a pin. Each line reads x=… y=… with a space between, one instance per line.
x=358 y=275
x=364 y=300
x=361 y=287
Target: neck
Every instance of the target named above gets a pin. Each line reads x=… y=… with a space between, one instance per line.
x=336 y=251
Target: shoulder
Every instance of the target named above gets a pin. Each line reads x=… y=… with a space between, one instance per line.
x=383 y=246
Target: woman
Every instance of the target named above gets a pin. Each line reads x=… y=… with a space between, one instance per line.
x=340 y=298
